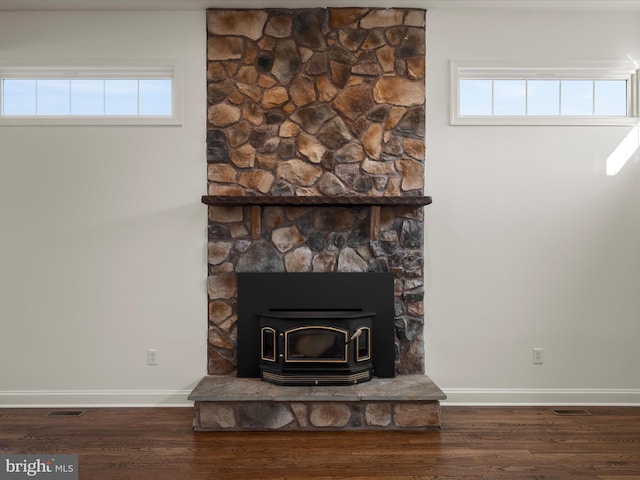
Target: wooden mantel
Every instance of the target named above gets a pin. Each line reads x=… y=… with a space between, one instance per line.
x=258 y=201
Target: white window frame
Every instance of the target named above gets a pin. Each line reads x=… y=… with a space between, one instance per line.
x=488 y=70
x=130 y=70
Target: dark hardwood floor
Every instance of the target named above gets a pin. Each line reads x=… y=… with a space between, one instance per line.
x=475 y=443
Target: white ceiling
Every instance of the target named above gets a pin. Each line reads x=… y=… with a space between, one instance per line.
x=505 y=5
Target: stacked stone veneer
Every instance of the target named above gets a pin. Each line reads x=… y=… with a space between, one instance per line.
x=315 y=102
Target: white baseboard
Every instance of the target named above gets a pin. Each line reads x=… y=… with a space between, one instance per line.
x=94 y=398
x=178 y=398
x=541 y=396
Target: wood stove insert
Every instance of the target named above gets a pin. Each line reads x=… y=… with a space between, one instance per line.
x=333 y=328
x=316 y=347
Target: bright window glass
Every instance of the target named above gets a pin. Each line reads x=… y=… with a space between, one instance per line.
x=475 y=97
x=580 y=93
x=543 y=97
x=509 y=97
x=86 y=97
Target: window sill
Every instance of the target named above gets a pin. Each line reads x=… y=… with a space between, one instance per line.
x=547 y=121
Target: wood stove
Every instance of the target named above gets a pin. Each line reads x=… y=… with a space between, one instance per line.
x=333 y=328
x=316 y=347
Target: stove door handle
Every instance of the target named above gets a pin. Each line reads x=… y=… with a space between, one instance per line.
x=356 y=334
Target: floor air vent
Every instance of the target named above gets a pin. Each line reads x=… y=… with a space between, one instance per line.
x=65 y=413
x=566 y=412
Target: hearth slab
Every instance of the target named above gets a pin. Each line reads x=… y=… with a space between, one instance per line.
x=406 y=402
x=401 y=388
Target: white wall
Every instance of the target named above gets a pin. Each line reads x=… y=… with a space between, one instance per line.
x=528 y=242
x=103 y=237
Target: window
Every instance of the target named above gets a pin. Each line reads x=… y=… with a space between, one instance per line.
x=587 y=94
x=88 y=95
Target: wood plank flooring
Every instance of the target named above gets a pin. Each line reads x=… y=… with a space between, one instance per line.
x=475 y=443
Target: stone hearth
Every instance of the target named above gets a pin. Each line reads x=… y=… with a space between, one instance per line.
x=407 y=402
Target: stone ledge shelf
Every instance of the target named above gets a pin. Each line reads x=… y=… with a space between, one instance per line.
x=406 y=402
x=257 y=201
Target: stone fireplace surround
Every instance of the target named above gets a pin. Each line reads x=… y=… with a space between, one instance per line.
x=315 y=163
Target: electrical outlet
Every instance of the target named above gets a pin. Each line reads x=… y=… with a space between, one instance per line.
x=538 y=356
x=152 y=356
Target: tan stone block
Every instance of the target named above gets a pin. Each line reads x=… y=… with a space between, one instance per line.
x=393 y=187
x=220 y=362
x=372 y=141
x=235 y=97
x=381 y=18
x=266 y=162
x=325 y=262
x=378 y=414
x=225 y=214
x=244 y=156
x=289 y=108
x=416 y=309
x=288 y=129
x=257 y=180
x=414 y=148
x=223 y=189
x=354 y=101
x=247 y=74
x=221 y=286
x=267 y=43
x=253 y=114
x=302 y=91
x=299 y=172
x=329 y=414
x=221 y=172
x=305 y=54
x=286 y=238
x=225 y=267
x=215 y=415
x=339 y=17
x=394 y=116
x=412 y=174
x=355 y=80
x=222 y=114
x=310 y=148
x=398 y=91
x=386 y=58
x=231 y=68
x=251 y=91
x=215 y=72
x=278 y=26
x=326 y=89
x=218 y=339
x=416 y=414
x=250 y=53
x=266 y=82
x=246 y=23
x=238 y=231
x=415 y=68
x=225 y=48
x=298 y=260
x=415 y=18
x=377 y=168
x=219 y=311
x=350 y=261
x=218 y=251
x=274 y=97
